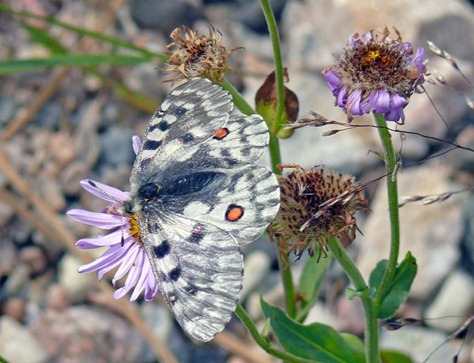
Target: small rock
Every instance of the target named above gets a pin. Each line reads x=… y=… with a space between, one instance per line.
x=57 y=297
x=49 y=115
x=75 y=284
x=257 y=265
x=455 y=300
x=15 y=308
x=34 y=258
x=8 y=257
x=116 y=147
x=431 y=232
x=18 y=345
x=87 y=334
x=178 y=12
x=419 y=343
x=8 y=107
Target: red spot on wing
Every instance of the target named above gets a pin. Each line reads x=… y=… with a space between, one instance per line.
x=221 y=133
x=234 y=213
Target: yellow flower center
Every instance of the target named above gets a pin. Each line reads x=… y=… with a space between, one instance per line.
x=134 y=230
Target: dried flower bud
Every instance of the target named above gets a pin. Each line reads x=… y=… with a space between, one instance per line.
x=197 y=56
x=316 y=205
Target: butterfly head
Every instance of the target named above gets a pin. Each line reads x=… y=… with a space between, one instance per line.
x=145 y=195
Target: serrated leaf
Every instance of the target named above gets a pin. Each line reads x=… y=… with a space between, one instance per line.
x=389 y=356
x=316 y=341
x=399 y=287
x=68 y=60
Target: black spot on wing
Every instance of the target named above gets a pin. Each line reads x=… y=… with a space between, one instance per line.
x=151 y=145
x=186 y=138
x=179 y=111
x=175 y=273
x=162 y=249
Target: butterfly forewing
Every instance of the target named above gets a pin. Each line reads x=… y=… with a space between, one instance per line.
x=187 y=117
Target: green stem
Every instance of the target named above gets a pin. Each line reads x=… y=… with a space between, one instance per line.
x=274 y=145
x=263 y=342
x=239 y=101
x=392 y=190
x=371 y=327
x=273 y=31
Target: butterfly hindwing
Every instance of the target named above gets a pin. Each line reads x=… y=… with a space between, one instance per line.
x=198 y=268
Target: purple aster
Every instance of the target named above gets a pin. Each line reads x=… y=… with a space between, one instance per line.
x=125 y=250
x=376 y=74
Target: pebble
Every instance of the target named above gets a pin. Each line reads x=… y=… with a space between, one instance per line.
x=35 y=258
x=257 y=265
x=14 y=307
x=18 y=345
x=116 y=147
x=423 y=345
x=432 y=240
x=87 y=334
x=453 y=303
x=76 y=286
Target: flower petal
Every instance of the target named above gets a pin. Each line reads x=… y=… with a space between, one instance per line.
x=103 y=191
x=136 y=143
x=104 y=241
x=112 y=256
x=101 y=220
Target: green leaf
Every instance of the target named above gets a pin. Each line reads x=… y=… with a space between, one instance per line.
x=3 y=360
x=310 y=281
x=376 y=277
x=399 y=287
x=99 y=36
x=42 y=37
x=68 y=60
x=389 y=356
x=318 y=342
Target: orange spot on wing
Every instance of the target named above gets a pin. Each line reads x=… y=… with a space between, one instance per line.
x=221 y=133
x=234 y=213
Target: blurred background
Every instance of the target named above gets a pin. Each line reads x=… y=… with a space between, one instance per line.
x=73 y=118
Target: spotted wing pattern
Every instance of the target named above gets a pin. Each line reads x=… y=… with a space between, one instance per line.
x=208 y=197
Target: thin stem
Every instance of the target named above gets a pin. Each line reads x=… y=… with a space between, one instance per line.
x=340 y=254
x=273 y=30
x=239 y=101
x=263 y=342
x=274 y=145
x=371 y=327
x=392 y=190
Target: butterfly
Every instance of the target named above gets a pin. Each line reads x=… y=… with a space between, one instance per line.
x=197 y=196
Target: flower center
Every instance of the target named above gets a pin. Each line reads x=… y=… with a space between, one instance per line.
x=133 y=229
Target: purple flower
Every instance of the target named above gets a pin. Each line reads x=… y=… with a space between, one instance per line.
x=376 y=74
x=125 y=249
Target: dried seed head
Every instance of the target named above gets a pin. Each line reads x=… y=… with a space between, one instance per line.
x=197 y=56
x=316 y=205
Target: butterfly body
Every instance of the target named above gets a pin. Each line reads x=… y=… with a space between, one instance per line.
x=198 y=195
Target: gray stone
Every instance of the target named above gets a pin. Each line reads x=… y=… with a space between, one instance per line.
x=87 y=334
x=431 y=232
x=257 y=265
x=117 y=147
x=453 y=303
x=18 y=345
x=77 y=285
x=422 y=344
